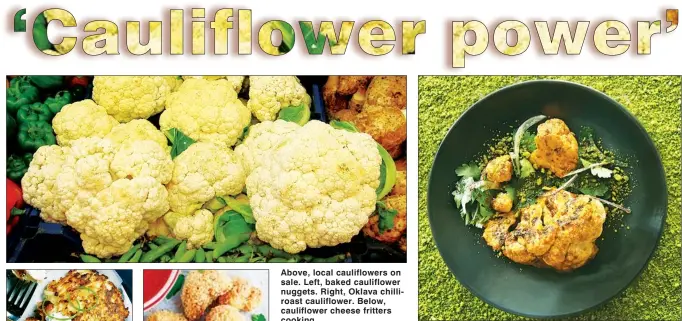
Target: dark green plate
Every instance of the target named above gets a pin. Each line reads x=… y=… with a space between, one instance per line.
x=530 y=291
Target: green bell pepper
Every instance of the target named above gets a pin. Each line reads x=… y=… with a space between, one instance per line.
x=47 y=82
x=11 y=125
x=35 y=134
x=17 y=166
x=33 y=112
x=20 y=92
x=56 y=103
x=40 y=38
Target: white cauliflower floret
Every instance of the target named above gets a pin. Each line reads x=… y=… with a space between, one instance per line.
x=132 y=97
x=202 y=172
x=138 y=129
x=39 y=182
x=261 y=140
x=235 y=81
x=81 y=119
x=196 y=228
x=142 y=158
x=206 y=111
x=318 y=188
x=269 y=94
x=111 y=221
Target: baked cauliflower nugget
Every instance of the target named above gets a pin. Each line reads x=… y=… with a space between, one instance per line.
x=242 y=295
x=224 y=313
x=557 y=148
x=558 y=231
x=166 y=316
x=200 y=290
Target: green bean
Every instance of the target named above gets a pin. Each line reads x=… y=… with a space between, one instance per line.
x=267 y=250
x=110 y=260
x=318 y=260
x=228 y=245
x=181 y=250
x=242 y=259
x=306 y=257
x=165 y=258
x=187 y=256
x=336 y=258
x=125 y=257
x=209 y=256
x=257 y=259
x=278 y=260
x=152 y=246
x=89 y=259
x=210 y=245
x=245 y=249
x=159 y=240
x=221 y=260
x=157 y=253
x=229 y=259
x=200 y=256
x=136 y=257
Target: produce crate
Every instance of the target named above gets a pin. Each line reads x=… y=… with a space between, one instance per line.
x=34 y=240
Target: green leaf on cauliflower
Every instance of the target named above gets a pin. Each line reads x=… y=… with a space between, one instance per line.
x=242 y=207
x=295 y=114
x=231 y=226
x=469 y=170
x=387 y=173
x=344 y=125
x=386 y=217
x=179 y=141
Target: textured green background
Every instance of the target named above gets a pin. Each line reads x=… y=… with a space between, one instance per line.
x=655 y=101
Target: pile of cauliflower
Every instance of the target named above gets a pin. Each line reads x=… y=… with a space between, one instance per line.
x=112 y=177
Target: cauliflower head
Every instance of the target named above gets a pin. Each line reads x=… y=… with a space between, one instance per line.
x=39 y=182
x=261 y=140
x=206 y=111
x=132 y=97
x=317 y=188
x=269 y=94
x=138 y=129
x=81 y=119
x=142 y=158
x=202 y=172
x=235 y=81
x=111 y=221
x=196 y=228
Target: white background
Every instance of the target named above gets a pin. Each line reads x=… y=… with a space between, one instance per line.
x=433 y=52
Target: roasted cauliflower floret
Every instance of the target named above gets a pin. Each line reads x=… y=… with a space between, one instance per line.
x=138 y=129
x=206 y=111
x=269 y=94
x=132 y=97
x=502 y=203
x=557 y=148
x=497 y=228
x=81 y=119
x=202 y=172
x=200 y=289
x=372 y=229
x=318 y=188
x=499 y=170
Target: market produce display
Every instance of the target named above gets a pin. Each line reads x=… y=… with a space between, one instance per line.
x=209 y=168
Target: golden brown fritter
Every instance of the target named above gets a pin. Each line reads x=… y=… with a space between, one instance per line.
x=388 y=91
x=344 y=92
x=224 y=313
x=242 y=295
x=400 y=187
x=107 y=301
x=401 y=164
x=164 y=315
x=497 y=228
x=558 y=231
x=398 y=203
x=402 y=243
x=347 y=115
x=388 y=126
x=499 y=170
x=557 y=148
x=200 y=289
x=502 y=203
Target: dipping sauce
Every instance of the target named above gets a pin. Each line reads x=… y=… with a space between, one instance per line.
x=156 y=284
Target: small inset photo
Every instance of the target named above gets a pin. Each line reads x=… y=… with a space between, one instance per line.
x=45 y=295
x=206 y=295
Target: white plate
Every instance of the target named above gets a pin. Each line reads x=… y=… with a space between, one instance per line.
x=57 y=274
x=257 y=278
